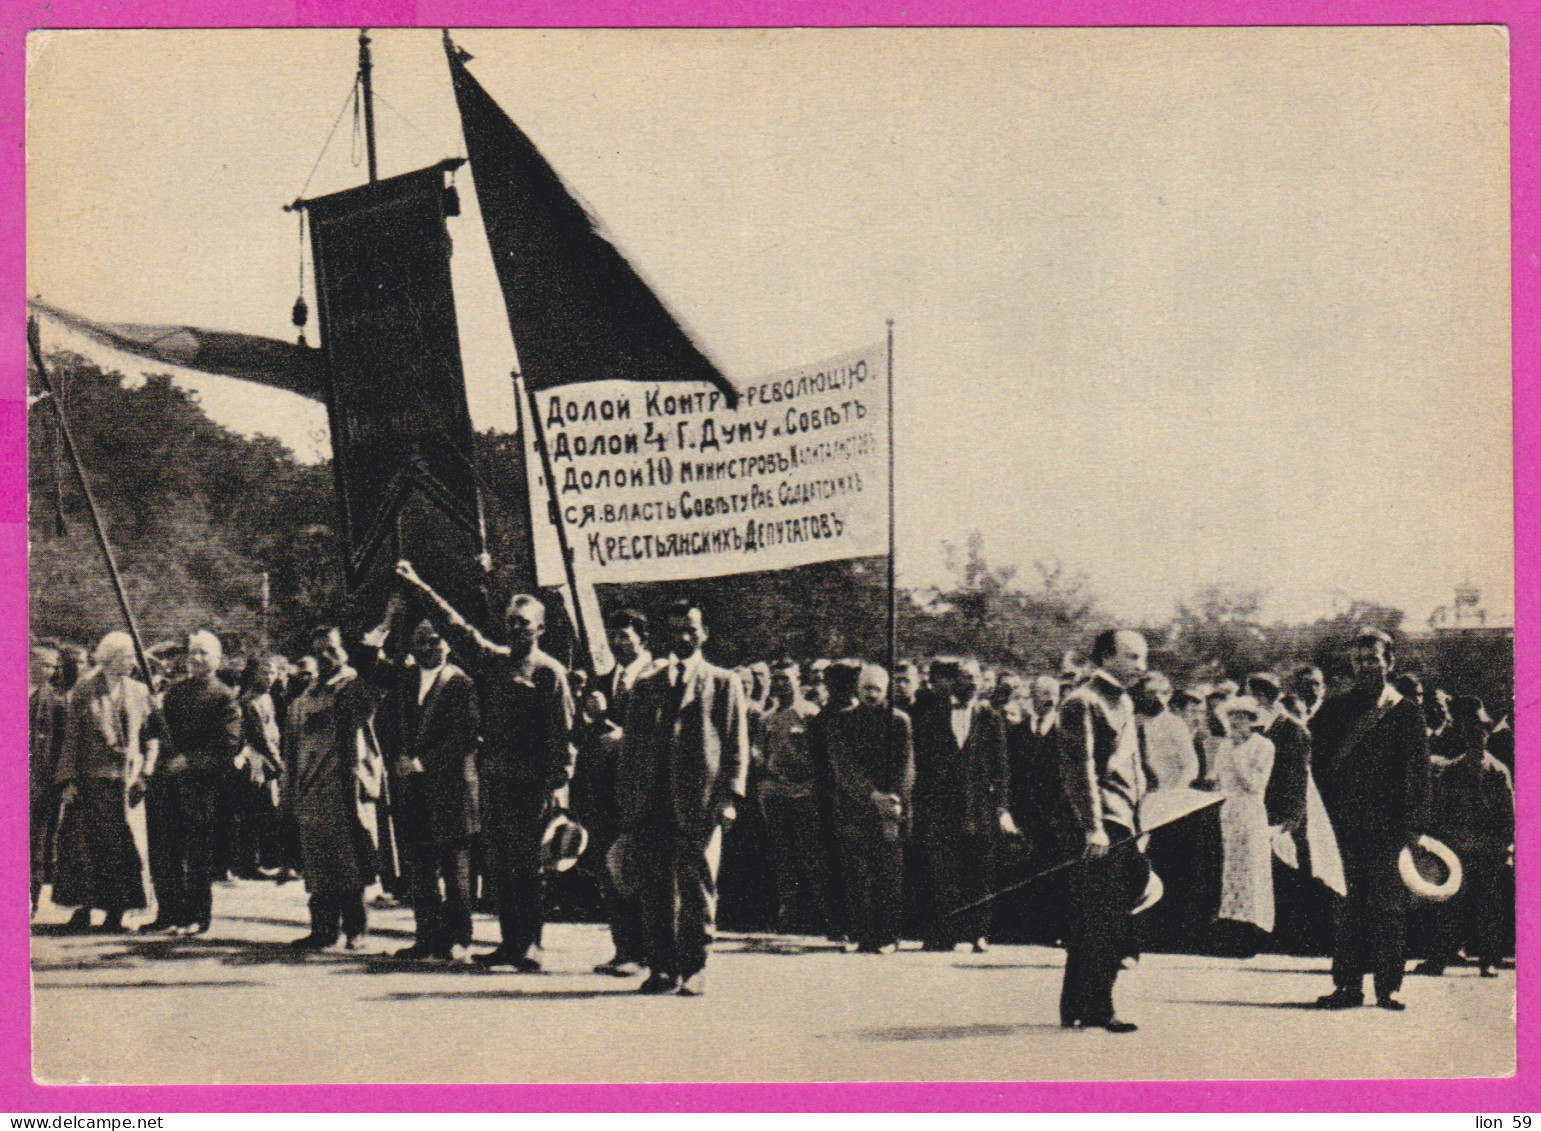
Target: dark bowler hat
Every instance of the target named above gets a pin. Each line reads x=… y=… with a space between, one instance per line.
x=620 y=862
x=1430 y=870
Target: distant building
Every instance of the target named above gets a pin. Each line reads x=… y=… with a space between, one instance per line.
x=1465 y=654
x=1465 y=612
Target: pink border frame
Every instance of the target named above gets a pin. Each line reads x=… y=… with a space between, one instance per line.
x=19 y=1095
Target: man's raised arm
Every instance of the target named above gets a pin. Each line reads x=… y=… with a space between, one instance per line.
x=465 y=640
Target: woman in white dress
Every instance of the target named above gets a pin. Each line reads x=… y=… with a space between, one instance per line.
x=1243 y=761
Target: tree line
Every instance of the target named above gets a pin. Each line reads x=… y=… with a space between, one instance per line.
x=197 y=514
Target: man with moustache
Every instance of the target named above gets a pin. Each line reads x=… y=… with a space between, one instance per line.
x=202 y=717
x=1373 y=751
x=684 y=767
x=906 y=684
x=1305 y=692
x=526 y=760
x=1103 y=779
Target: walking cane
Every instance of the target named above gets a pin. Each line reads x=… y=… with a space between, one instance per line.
x=1208 y=801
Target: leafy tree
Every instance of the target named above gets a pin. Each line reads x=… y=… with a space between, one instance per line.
x=194 y=512
x=985 y=613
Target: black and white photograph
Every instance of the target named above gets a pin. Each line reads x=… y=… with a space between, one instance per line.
x=861 y=554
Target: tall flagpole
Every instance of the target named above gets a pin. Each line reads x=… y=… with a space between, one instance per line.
x=35 y=349
x=554 y=512
x=367 y=88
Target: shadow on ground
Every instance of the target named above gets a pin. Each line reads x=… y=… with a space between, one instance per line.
x=951 y=1032
x=147 y=984
x=499 y=995
x=156 y=949
x=1249 y=1004
x=772 y=944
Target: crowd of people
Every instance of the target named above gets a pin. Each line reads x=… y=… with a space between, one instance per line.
x=1098 y=807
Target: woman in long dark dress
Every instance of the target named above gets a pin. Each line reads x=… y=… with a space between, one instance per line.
x=100 y=758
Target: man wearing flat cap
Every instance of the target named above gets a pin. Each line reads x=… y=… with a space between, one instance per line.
x=1373 y=753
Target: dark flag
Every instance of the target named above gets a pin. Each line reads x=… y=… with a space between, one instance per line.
x=395 y=393
x=248 y=357
x=577 y=309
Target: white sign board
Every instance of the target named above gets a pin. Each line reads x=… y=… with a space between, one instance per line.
x=661 y=482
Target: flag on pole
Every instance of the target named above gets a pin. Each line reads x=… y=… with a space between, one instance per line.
x=247 y=357
x=577 y=309
x=396 y=397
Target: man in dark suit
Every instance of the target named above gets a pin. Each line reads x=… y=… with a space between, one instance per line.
x=1373 y=751
x=527 y=758
x=203 y=723
x=595 y=793
x=683 y=770
x=872 y=761
x=45 y=730
x=961 y=778
x=1295 y=892
x=1285 y=796
x=1033 y=753
x=1103 y=778
x=437 y=804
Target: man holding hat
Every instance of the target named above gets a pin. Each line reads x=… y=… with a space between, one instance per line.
x=1373 y=751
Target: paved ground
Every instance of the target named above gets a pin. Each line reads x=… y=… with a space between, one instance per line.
x=238 y=1006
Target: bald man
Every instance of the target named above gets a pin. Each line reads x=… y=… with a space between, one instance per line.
x=872 y=760
x=203 y=724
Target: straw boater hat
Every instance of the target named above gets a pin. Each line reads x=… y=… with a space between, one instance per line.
x=1240 y=705
x=1431 y=873
x=620 y=864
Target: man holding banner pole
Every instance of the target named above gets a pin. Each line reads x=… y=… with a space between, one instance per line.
x=526 y=760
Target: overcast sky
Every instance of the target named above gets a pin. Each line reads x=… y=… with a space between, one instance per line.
x=1172 y=307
